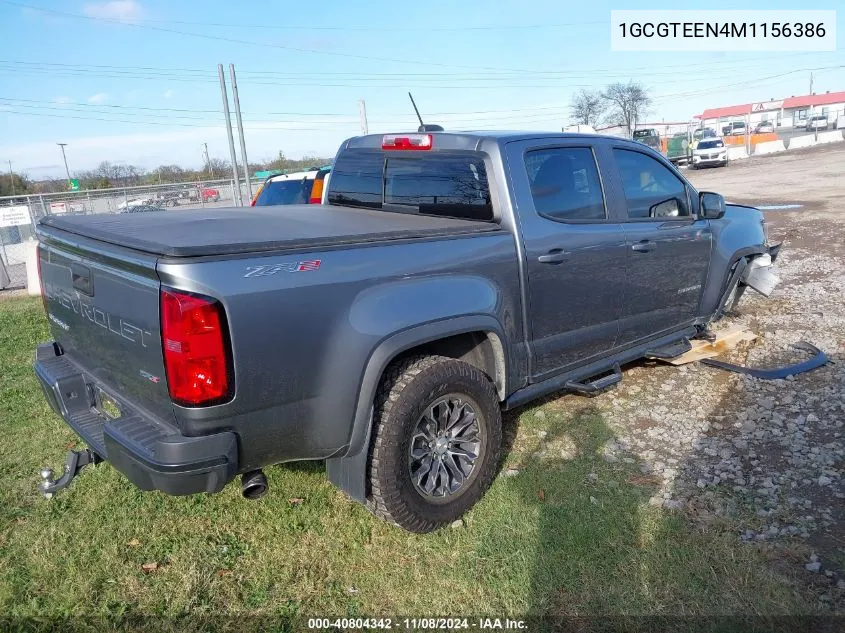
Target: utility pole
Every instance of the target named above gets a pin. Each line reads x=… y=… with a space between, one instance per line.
x=236 y=181
x=811 y=83
x=362 y=111
x=208 y=160
x=240 y=128
x=11 y=178
x=67 y=171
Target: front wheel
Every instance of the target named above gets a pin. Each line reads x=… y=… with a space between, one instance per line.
x=437 y=439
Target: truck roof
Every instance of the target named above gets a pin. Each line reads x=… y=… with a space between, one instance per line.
x=468 y=139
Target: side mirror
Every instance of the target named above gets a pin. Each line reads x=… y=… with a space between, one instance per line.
x=666 y=209
x=712 y=205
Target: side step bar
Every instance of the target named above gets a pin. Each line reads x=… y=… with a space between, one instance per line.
x=673 y=350
x=593 y=387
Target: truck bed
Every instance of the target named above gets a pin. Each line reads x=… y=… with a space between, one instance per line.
x=233 y=230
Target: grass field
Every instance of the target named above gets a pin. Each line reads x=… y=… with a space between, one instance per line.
x=549 y=540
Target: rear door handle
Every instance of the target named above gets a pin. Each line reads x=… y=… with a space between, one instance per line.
x=554 y=256
x=643 y=246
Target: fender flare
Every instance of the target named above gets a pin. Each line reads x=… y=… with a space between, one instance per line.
x=349 y=472
x=731 y=271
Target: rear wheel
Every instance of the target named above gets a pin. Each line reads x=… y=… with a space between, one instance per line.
x=437 y=439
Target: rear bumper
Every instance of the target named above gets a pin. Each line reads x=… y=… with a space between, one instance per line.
x=152 y=454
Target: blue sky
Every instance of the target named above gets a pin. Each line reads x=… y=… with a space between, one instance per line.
x=135 y=81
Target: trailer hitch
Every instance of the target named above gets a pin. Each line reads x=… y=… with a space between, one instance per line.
x=75 y=462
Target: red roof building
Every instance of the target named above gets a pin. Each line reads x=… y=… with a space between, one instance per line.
x=786 y=112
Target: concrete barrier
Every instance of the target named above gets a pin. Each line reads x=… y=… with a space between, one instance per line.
x=737 y=153
x=770 y=147
x=797 y=142
x=833 y=136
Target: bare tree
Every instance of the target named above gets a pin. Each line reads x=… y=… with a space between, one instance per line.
x=587 y=106
x=628 y=104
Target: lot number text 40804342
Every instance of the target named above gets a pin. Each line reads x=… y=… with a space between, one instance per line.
x=416 y=624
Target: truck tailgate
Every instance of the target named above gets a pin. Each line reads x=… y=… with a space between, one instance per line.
x=102 y=304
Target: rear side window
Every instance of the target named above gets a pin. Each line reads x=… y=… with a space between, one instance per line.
x=285 y=192
x=441 y=184
x=451 y=186
x=565 y=183
x=651 y=189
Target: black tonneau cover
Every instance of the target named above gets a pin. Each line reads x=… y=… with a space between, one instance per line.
x=232 y=230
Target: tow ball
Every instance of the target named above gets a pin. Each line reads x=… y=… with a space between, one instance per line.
x=75 y=462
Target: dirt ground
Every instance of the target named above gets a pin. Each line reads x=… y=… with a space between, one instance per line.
x=762 y=459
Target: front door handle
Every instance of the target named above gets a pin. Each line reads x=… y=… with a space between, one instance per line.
x=643 y=246
x=554 y=256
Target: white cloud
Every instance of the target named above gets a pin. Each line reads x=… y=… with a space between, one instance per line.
x=100 y=97
x=63 y=100
x=127 y=11
x=168 y=94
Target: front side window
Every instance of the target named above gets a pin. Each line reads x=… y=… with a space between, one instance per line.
x=565 y=184
x=651 y=189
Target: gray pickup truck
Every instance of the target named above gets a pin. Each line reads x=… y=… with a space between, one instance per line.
x=450 y=276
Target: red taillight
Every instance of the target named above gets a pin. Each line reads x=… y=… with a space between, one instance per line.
x=407 y=141
x=257 y=193
x=193 y=340
x=316 y=192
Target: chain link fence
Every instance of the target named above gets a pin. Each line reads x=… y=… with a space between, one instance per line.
x=19 y=214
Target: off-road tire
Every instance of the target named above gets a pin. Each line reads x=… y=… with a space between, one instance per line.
x=407 y=388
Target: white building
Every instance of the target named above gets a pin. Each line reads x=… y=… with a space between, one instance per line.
x=784 y=113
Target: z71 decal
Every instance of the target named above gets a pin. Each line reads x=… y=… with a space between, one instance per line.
x=288 y=267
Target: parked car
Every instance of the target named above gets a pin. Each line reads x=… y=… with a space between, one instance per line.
x=168 y=198
x=209 y=194
x=206 y=194
x=142 y=208
x=304 y=187
x=817 y=122
x=734 y=128
x=764 y=127
x=134 y=203
x=449 y=277
x=709 y=152
x=704 y=132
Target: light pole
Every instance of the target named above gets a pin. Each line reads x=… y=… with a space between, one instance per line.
x=67 y=171
x=11 y=178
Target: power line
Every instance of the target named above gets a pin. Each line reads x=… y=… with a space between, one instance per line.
x=174 y=124
x=581 y=71
x=427 y=29
x=232 y=40
x=263 y=44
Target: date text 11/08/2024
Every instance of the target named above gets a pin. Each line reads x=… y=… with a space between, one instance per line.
x=503 y=624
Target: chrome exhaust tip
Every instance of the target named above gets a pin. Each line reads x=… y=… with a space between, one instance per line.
x=253 y=484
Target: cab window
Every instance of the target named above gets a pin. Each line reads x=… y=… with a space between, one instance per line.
x=651 y=189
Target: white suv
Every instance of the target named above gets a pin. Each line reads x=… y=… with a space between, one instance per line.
x=709 y=152
x=817 y=122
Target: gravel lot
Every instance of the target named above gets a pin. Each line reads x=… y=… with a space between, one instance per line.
x=763 y=459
